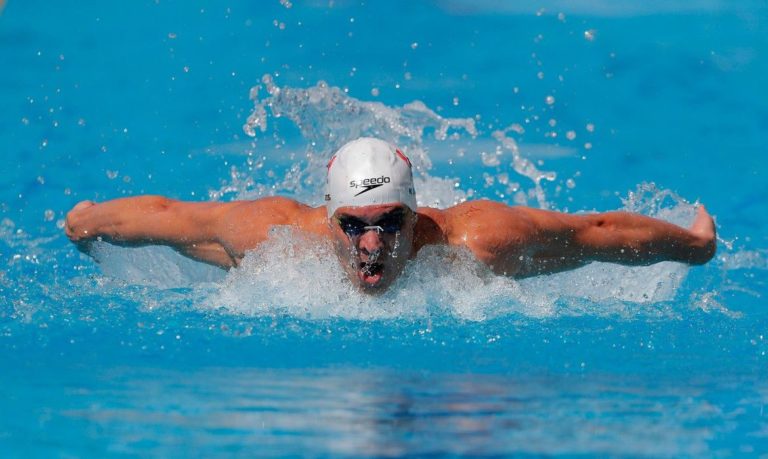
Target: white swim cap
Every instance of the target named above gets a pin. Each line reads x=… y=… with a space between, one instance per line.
x=366 y=172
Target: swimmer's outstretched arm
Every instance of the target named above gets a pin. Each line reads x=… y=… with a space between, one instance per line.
x=211 y=232
x=563 y=241
x=521 y=241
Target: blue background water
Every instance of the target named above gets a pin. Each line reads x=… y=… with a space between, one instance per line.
x=105 y=99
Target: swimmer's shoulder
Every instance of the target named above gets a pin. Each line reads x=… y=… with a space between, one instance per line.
x=481 y=220
x=271 y=210
x=259 y=215
x=431 y=227
x=279 y=210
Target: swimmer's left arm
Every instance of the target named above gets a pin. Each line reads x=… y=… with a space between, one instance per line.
x=561 y=241
x=521 y=241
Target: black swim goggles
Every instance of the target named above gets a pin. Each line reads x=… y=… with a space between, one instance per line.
x=390 y=223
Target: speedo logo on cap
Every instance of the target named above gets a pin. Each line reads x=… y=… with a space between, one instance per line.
x=368 y=184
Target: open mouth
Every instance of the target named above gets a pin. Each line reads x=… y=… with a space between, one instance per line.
x=370 y=273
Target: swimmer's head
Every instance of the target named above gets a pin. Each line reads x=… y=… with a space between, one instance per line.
x=371 y=206
x=366 y=172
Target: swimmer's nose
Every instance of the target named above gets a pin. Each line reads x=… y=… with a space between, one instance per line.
x=371 y=244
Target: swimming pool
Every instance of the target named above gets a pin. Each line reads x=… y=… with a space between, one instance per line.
x=645 y=106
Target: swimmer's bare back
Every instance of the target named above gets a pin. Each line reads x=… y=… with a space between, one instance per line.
x=514 y=241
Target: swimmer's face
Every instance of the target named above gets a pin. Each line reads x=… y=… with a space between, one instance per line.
x=373 y=243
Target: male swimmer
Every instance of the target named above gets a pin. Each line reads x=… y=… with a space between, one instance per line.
x=372 y=218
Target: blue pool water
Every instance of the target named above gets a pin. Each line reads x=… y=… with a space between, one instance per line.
x=579 y=106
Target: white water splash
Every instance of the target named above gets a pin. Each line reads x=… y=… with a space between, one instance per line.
x=745 y=259
x=328 y=118
x=153 y=266
x=441 y=281
x=523 y=166
x=649 y=199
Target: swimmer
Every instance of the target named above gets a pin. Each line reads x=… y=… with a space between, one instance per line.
x=375 y=226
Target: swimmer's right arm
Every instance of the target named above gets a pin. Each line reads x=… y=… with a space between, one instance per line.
x=211 y=232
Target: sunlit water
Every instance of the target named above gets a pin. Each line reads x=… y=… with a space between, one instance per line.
x=582 y=107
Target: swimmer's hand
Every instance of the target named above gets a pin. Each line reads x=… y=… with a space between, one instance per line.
x=76 y=224
x=77 y=228
x=704 y=242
